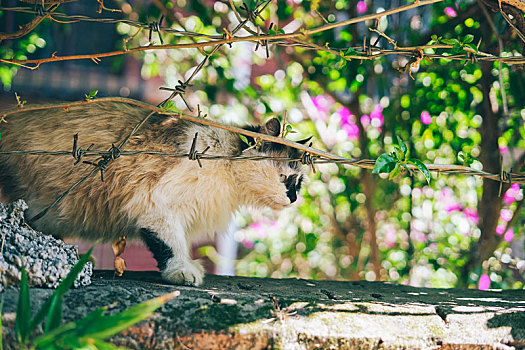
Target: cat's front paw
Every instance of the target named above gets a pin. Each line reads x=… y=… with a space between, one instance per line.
x=188 y=272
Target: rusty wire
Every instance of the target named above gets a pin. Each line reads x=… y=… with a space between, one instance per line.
x=370 y=52
x=310 y=156
x=154 y=25
x=101 y=163
x=361 y=163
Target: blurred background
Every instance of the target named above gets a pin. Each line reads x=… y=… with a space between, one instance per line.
x=348 y=224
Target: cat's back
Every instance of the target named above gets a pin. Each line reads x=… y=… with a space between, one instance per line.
x=53 y=128
x=40 y=179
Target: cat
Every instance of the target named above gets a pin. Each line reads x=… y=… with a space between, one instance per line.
x=166 y=202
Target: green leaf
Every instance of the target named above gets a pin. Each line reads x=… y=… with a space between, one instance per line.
x=473 y=47
x=23 y=311
x=91 y=94
x=245 y=140
x=341 y=63
x=457 y=48
x=68 y=331
x=289 y=130
x=450 y=41
x=62 y=288
x=52 y=337
x=395 y=172
x=251 y=4
x=422 y=167
x=468 y=38
x=434 y=37
x=111 y=325
x=350 y=52
x=465 y=158
x=168 y=106
x=398 y=153
x=385 y=163
x=54 y=316
x=522 y=169
x=402 y=145
x=102 y=345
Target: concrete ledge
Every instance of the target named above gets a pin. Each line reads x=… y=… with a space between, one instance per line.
x=251 y=313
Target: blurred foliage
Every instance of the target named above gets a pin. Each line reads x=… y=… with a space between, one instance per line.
x=425 y=233
x=19 y=49
x=348 y=223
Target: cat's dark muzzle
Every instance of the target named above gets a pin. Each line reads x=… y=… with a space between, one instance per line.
x=292 y=195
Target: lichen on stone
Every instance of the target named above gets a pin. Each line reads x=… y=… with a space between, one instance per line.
x=47 y=260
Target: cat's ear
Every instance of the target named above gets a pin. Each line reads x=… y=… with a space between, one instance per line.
x=302 y=142
x=272 y=127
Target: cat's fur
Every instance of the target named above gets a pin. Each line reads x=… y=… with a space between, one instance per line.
x=168 y=202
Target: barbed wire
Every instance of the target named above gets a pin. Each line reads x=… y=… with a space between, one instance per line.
x=316 y=156
x=361 y=163
x=101 y=163
x=136 y=24
x=366 y=52
x=310 y=156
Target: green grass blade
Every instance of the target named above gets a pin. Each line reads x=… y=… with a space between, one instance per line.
x=102 y=345
x=54 y=316
x=67 y=329
x=64 y=286
x=114 y=324
x=23 y=310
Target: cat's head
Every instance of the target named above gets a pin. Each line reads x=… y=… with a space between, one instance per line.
x=271 y=183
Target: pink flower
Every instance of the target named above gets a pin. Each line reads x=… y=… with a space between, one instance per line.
x=255 y=225
x=361 y=7
x=248 y=244
x=390 y=238
x=418 y=236
x=471 y=215
x=511 y=195
x=509 y=235
x=503 y=148
x=426 y=118
x=449 y=11
x=500 y=229
x=446 y=194
x=259 y=228
x=505 y=215
x=365 y=121
x=454 y=207
x=345 y=115
x=352 y=131
x=322 y=104
x=376 y=116
x=484 y=282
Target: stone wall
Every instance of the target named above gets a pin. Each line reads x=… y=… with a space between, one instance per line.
x=252 y=313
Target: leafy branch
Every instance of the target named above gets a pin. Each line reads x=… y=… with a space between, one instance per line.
x=394 y=162
x=458 y=45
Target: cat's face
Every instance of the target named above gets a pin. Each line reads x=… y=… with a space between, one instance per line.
x=273 y=184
